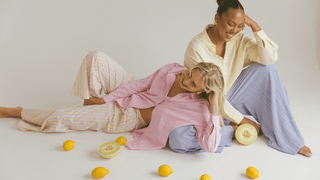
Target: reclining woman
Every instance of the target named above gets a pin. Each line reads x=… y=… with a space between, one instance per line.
x=172 y=96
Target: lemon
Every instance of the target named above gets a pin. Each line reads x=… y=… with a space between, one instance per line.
x=121 y=140
x=205 y=177
x=252 y=172
x=246 y=134
x=165 y=170
x=99 y=172
x=68 y=145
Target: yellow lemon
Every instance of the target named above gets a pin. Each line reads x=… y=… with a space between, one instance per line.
x=99 y=172
x=165 y=170
x=205 y=177
x=252 y=172
x=121 y=140
x=68 y=145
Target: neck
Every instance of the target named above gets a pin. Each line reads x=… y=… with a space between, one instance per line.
x=214 y=37
x=178 y=88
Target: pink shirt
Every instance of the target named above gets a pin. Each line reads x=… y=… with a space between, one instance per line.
x=169 y=112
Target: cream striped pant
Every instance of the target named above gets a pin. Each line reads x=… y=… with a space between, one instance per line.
x=98 y=74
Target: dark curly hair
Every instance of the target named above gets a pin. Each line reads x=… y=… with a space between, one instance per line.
x=226 y=5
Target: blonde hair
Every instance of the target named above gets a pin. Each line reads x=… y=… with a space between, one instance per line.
x=212 y=81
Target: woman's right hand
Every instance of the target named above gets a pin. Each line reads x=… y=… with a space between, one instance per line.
x=255 y=125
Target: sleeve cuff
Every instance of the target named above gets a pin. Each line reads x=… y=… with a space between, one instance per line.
x=109 y=98
x=260 y=35
x=238 y=117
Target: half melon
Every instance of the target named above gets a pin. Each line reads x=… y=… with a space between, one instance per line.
x=246 y=134
x=109 y=149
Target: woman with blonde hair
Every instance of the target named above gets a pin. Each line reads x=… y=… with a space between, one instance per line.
x=151 y=107
x=257 y=91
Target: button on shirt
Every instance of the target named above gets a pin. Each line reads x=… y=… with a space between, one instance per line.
x=240 y=51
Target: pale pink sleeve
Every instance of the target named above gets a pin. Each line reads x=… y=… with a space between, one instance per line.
x=209 y=141
x=128 y=89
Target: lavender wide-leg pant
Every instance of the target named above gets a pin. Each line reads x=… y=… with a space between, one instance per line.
x=258 y=92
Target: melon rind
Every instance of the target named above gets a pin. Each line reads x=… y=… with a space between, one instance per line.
x=244 y=129
x=109 y=153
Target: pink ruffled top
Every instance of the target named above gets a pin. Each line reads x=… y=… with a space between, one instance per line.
x=169 y=112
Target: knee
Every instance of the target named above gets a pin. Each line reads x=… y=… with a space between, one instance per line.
x=264 y=69
x=180 y=135
x=96 y=57
x=184 y=140
x=93 y=54
x=183 y=132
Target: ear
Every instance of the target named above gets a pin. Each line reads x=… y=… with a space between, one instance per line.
x=217 y=18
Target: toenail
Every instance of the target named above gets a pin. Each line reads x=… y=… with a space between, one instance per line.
x=309 y=154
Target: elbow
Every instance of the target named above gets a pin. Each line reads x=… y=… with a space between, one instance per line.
x=212 y=146
x=212 y=150
x=269 y=59
x=272 y=59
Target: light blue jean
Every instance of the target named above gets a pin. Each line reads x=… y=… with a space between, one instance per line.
x=258 y=92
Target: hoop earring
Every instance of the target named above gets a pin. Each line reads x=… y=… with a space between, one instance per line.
x=215 y=23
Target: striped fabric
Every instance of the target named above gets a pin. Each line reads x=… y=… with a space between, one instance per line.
x=98 y=73
x=258 y=92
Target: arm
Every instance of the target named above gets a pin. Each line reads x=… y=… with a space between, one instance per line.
x=252 y=24
x=260 y=49
x=231 y=113
x=209 y=137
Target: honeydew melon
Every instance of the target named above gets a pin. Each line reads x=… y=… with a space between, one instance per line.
x=109 y=149
x=246 y=134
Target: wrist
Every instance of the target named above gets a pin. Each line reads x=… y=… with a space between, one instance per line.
x=255 y=27
x=102 y=100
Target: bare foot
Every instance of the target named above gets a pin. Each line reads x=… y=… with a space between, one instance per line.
x=305 y=151
x=3 y=112
x=10 y=112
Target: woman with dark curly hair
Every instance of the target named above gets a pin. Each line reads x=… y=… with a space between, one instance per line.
x=252 y=83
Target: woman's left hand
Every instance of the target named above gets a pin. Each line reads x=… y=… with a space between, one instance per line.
x=248 y=21
x=93 y=101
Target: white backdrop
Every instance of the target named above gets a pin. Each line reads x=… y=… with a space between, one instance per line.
x=43 y=42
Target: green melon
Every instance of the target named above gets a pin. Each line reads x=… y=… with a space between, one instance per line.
x=109 y=149
x=246 y=134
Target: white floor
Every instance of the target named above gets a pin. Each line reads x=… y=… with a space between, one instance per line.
x=37 y=156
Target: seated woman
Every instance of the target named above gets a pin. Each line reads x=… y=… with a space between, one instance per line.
x=172 y=96
x=258 y=91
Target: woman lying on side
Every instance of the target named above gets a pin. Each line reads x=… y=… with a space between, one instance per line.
x=172 y=96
